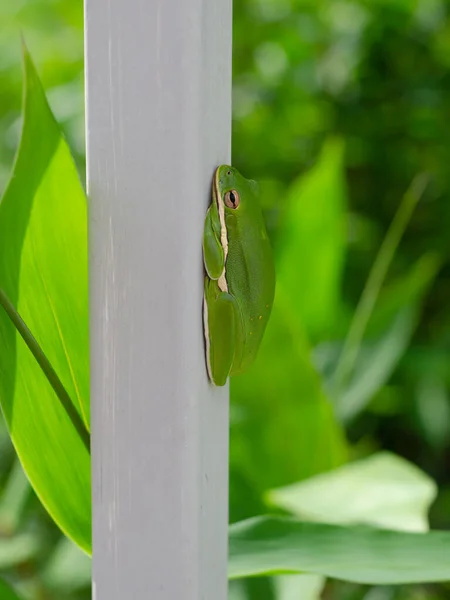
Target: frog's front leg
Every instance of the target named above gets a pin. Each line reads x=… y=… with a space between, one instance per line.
x=213 y=252
x=220 y=317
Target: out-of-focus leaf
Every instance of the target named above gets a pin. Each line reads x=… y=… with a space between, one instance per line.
x=364 y=310
x=286 y=430
x=383 y=490
x=299 y=587
x=68 y=568
x=384 y=593
x=375 y=364
x=258 y=588
x=407 y=290
x=17 y=549
x=13 y=499
x=378 y=358
x=236 y=590
x=312 y=241
x=277 y=545
x=433 y=410
x=6 y=592
x=43 y=271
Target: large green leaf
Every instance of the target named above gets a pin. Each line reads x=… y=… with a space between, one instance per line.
x=43 y=272
x=383 y=490
x=312 y=241
x=276 y=545
x=283 y=428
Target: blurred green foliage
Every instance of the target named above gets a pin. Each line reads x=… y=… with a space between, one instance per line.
x=337 y=106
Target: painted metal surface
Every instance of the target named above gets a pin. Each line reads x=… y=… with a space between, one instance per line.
x=158 y=81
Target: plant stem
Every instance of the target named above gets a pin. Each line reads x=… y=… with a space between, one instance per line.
x=374 y=282
x=47 y=368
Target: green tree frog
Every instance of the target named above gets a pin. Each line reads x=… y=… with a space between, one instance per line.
x=240 y=275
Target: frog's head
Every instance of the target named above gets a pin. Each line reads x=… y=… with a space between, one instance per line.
x=233 y=189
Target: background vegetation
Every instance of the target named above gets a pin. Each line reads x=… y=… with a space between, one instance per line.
x=338 y=105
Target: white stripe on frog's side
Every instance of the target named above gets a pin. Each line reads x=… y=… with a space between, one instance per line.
x=222 y=281
x=207 y=342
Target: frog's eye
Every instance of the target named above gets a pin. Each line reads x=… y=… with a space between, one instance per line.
x=231 y=199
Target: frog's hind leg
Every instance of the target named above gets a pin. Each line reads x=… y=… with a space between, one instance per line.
x=219 y=317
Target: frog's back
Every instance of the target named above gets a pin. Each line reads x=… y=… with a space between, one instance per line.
x=250 y=274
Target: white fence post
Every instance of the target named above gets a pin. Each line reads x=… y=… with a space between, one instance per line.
x=158 y=75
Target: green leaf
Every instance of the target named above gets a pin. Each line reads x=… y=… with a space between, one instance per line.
x=299 y=587
x=18 y=549
x=67 y=569
x=408 y=289
x=236 y=591
x=397 y=312
x=433 y=410
x=43 y=272
x=6 y=592
x=283 y=428
x=311 y=250
x=276 y=545
x=13 y=499
x=383 y=490
x=375 y=364
x=372 y=288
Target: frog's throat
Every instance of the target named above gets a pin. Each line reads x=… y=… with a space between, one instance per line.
x=222 y=281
